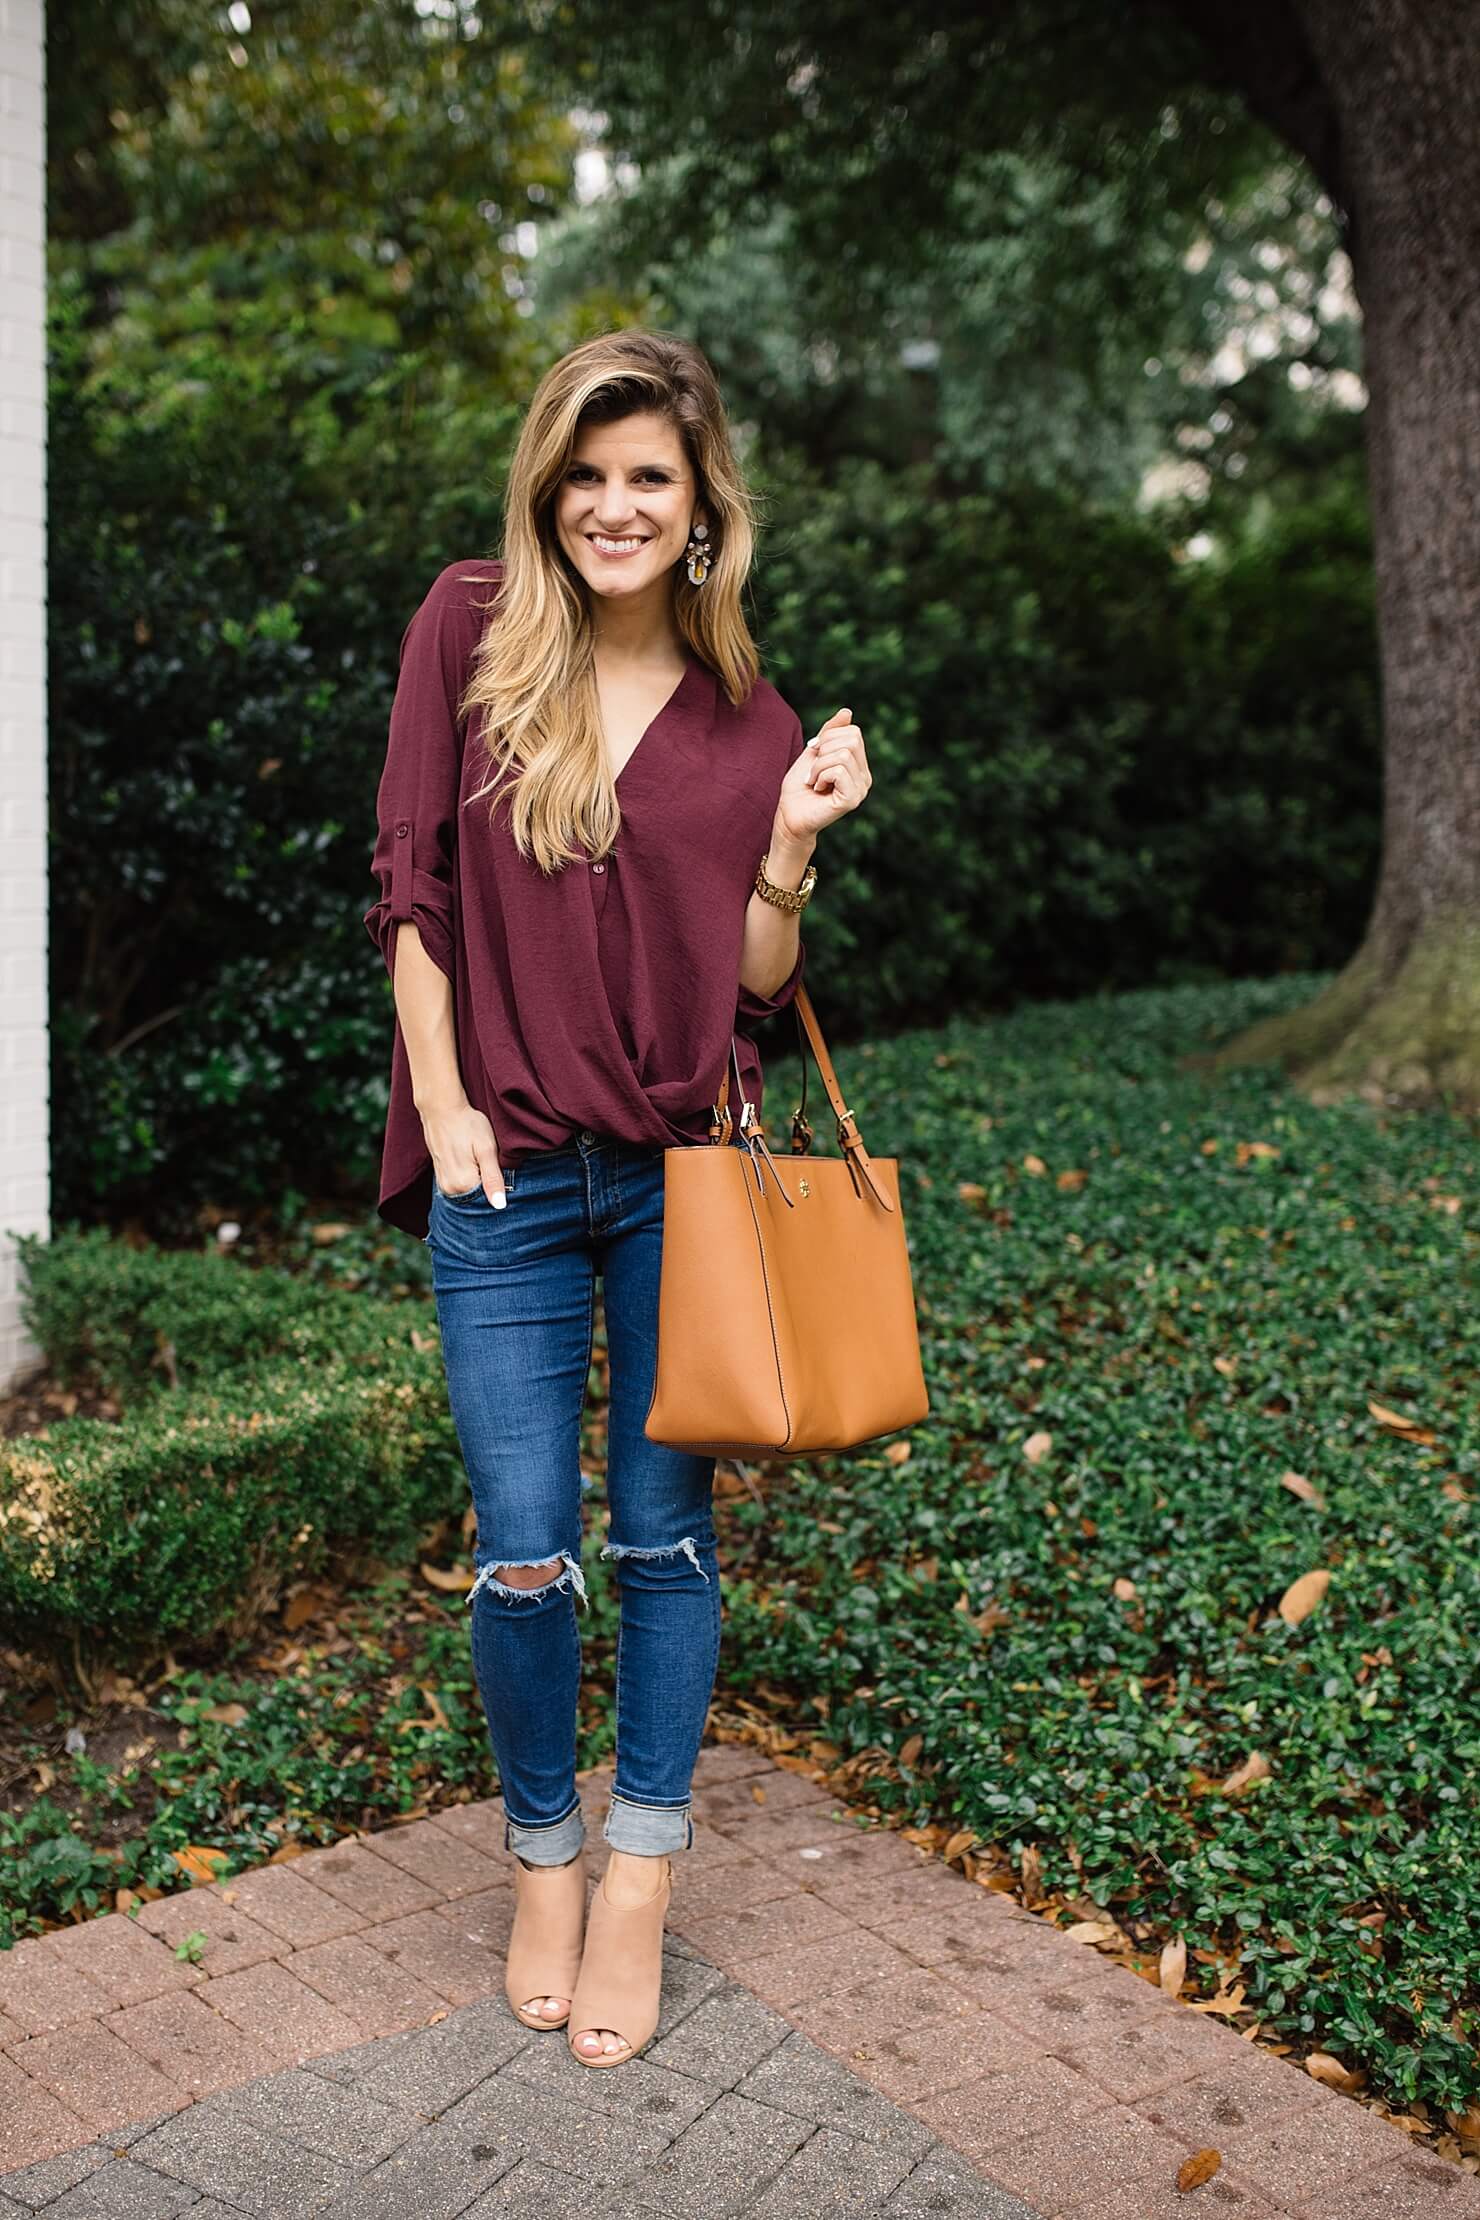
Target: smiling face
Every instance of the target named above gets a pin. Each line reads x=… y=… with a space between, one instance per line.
x=626 y=504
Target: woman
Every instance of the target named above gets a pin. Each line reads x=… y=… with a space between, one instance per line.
x=596 y=824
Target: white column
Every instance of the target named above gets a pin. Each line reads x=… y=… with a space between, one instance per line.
x=25 y=1192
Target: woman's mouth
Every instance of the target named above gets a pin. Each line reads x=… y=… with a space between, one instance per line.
x=616 y=549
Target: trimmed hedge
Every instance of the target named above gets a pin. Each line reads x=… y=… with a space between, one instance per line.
x=124 y=1322
x=307 y=1428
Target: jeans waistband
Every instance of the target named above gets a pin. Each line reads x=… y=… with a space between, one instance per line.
x=585 y=1142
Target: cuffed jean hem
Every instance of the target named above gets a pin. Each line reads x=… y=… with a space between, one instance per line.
x=553 y=1844
x=647 y=1830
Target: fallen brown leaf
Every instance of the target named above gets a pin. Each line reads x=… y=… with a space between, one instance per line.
x=199 y=1862
x=1225 y=2005
x=436 y=1717
x=1304 y=1595
x=1403 y=1429
x=1307 y=1490
x=1322 y=2067
x=1093 y=1931
x=455 y=1580
x=1466 y=2126
x=1037 y=1447
x=300 y=1608
x=1171 y=1969
x=1256 y=1767
x=1201 y=2167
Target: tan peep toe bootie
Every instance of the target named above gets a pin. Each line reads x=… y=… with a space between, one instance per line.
x=620 y=1984
x=544 y=1955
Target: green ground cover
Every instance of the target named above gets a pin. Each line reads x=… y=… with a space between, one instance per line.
x=1188 y=1341
x=1220 y=1302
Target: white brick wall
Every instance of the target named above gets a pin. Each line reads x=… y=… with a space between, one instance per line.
x=25 y=1185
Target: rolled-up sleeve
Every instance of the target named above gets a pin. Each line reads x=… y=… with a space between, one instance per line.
x=757 y=1006
x=416 y=803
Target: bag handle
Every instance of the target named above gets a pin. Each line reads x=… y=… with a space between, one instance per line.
x=850 y=1140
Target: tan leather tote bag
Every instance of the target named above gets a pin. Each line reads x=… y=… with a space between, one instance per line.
x=786 y=1310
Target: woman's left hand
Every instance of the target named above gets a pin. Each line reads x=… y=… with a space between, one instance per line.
x=829 y=777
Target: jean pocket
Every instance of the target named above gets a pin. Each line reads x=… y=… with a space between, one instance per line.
x=472 y=1196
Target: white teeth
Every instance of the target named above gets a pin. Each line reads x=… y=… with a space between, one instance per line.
x=616 y=547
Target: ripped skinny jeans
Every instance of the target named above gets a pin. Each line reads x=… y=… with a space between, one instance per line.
x=515 y=1296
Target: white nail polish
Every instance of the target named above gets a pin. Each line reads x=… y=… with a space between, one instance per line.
x=500 y=1200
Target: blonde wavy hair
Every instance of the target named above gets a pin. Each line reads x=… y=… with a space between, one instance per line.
x=533 y=676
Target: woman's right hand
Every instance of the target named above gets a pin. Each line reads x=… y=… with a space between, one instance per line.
x=464 y=1152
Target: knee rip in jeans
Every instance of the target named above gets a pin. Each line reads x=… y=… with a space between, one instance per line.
x=515 y=1592
x=685 y=1547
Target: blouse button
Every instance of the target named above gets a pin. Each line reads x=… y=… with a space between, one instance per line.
x=598 y=867
x=401 y=831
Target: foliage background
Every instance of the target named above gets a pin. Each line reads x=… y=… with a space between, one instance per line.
x=1067 y=505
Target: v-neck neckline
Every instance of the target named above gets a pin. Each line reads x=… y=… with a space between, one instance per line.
x=691 y=664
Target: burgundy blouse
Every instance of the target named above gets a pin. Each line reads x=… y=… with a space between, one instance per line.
x=604 y=997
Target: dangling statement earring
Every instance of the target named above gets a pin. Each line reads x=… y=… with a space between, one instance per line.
x=699 y=558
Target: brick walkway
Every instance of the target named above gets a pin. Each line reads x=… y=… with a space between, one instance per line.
x=849 y=2029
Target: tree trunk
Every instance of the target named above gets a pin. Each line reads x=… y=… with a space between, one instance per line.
x=1383 y=97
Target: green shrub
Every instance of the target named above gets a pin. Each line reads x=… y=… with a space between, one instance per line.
x=125 y=1321
x=305 y=1430
x=1096 y=765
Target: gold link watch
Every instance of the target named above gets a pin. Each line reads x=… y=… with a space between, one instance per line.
x=785 y=897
